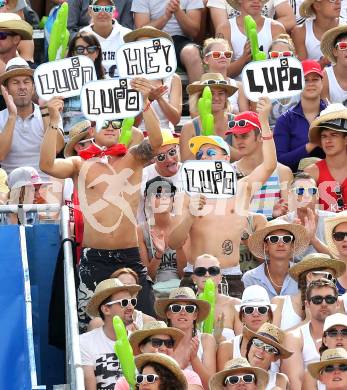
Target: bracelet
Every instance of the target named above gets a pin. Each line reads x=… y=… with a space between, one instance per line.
x=44 y=115
x=147 y=106
x=267 y=137
x=43 y=108
x=54 y=127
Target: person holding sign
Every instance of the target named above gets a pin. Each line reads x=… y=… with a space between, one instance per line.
x=291 y=130
x=108 y=178
x=333 y=46
x=234 y=31
x=221 y=91
x=215 y=226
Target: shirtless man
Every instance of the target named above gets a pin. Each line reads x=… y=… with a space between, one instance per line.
x=108 y=190
x=219 y=232
x=205 y=267
x=305 y=340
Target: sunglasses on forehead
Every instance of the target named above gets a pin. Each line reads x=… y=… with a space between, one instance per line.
x=241 y=123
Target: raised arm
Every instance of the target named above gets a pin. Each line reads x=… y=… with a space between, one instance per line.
x=284 y=14
x=56 y=167
x=6 y=134
x=189 y=21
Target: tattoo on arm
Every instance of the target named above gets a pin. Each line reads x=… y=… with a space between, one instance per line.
x=227 y=247
x=143 y=152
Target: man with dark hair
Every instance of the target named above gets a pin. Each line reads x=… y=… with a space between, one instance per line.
x=305 y=341
x=329 y=131
x=100 y=363
x=333 y=46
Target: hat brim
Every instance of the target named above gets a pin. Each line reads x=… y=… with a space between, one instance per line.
x=159 y=358
x=217 y=380
x=20 y=27
x=314 y=368
x=69 y=147
x=249 y=334
x=95 y=301
x=306 y=265
x=14 y=73
x=195 y=143
x=138 y=336
x=173 y=141
x=328 y=40
x=330 y=224
x=145 y=32
x=195 y=88
x=256 y=240
x=306 y=10
x=161 y=305
x=317 y=126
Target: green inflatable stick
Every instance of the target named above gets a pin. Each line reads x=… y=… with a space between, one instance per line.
x=124 y=352
x=59 y=38
x=126 y=131
x=205 y=112
x=43 y=22
x=252 y=36
x=209 y=295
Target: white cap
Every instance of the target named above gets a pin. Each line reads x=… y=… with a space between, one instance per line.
x=24 y=176
x=255 y=296
x=334 y=320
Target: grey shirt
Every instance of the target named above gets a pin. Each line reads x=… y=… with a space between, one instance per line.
x=156 y=9
x=257 y=276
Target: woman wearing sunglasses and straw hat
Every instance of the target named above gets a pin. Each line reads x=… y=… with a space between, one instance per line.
x=221 y=91
x=291 y=309
x=184 y=311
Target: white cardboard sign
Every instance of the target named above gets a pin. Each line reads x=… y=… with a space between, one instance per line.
x=63 y=77
x=110 y=99
x=276 y=78
x=151 y=58
x=214 y=179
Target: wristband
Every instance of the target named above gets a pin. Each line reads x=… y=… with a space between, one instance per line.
x=53 y=127
x=147 y=106
x=267 y=137
x=44 y=115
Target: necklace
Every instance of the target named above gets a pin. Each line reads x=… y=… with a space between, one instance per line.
x=268 y=271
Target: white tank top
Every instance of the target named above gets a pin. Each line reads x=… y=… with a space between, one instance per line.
x=336 y=93
x=309 y=351
x=236 y=347
x=272 y=380
x=289 y=318
x=138 y=320
x=311 y=42
x=238 y=39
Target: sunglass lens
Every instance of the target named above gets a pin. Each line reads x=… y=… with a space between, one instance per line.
x=312 y=191
x=300 y=191
x=343 y=367
x=139 y=379
x=231 y=124
x=330 y=299
x=176 y=308
x=227 y=54
x=150 y=378
x=242 y=123
x=263 y=309
x=172 y=152
x=124 y=302
x=190 y=309
x=248 y=310
x=211 y=152
x=287 y=239
x=274 y=54
x=248 y=378
x=329 y=368
x=215 y=55
x=317 y=300
x=273 y=239
x=133 y=301
x=214 y=271
x=200 y=271
x=339 y=236
x=233 y=379
x=96 y=8
x=199 y=155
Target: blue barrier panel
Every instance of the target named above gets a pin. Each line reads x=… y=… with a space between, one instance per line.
x=14 y=356
x=43 y=243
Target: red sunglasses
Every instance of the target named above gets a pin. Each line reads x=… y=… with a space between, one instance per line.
x=218 y=54
x=341 y=45
x=277 y=54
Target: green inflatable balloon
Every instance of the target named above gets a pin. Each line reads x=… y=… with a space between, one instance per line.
x=209 y=295
x=126 y=131
x=43 y=22
x=252 y=36
x=123 y=350
x=205 y=112
x=59 y=38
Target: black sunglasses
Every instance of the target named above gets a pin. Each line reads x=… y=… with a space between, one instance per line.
x=318 y=299
x=339 y=236
x=202 y=271
x=274 y=239
x=341 y=367
x=235 y=379
x=4 y=35
x=82 y=49
x=260 y=309
x=340 y=202
x=157 y=343
x=335 y=332
x=149 y=378
x=114 y=124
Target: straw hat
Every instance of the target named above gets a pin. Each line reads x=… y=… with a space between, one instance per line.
x=182 y=294
x=153 y=328
x=10 y=22
x=164 y=360
x=271 y=335
x=17 y=66
x=169 y=138
x=77 y=133
x=329 y=357
x=306 y=162
x=255 y=296
x=314 y=261
x=256 y=240
x=238 y=366
x=3 y=181
x=330 y=224
x=306 y=10
x=334 y=117
x=146 y=32
x=198 y=86
x=328 y=41
x=105 y=289
x=236 y=3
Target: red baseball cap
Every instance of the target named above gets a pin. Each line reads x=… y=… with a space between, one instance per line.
x=311 y=66
x=244 y=123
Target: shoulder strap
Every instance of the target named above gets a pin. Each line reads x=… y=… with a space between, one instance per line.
x=196 y=126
